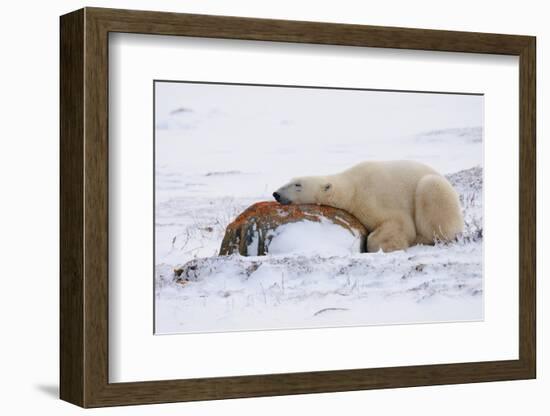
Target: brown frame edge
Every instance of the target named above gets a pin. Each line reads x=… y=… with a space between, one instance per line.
x=84 y=207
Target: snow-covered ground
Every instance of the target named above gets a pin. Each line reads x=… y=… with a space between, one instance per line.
x=219 y=149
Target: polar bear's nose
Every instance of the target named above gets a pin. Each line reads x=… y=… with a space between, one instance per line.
x=277 y=196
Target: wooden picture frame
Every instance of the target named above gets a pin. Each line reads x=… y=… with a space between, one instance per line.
x=84 y=207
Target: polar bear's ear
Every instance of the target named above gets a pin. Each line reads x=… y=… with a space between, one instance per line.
x=327 y=186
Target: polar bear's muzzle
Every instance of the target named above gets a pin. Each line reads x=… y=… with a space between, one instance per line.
x=281 y=199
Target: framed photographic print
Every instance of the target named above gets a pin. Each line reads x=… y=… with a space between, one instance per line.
x=255 y=207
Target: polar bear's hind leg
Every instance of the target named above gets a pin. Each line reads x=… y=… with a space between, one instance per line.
x=438 y=214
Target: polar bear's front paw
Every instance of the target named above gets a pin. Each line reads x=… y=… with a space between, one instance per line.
x=387 y=237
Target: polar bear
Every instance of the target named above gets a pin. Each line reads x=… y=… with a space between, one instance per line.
x=401 y=202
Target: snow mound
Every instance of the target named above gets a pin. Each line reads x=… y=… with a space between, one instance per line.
x=469 y=185
x=465 y=134
x=313 y=237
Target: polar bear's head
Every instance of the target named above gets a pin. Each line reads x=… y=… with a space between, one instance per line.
x=305 y=190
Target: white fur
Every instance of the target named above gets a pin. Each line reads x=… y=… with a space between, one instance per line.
x=401 y=203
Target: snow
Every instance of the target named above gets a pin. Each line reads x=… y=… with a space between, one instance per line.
x=422 y=284
x=233 y=145
x=252 y=248
x=311 y=237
